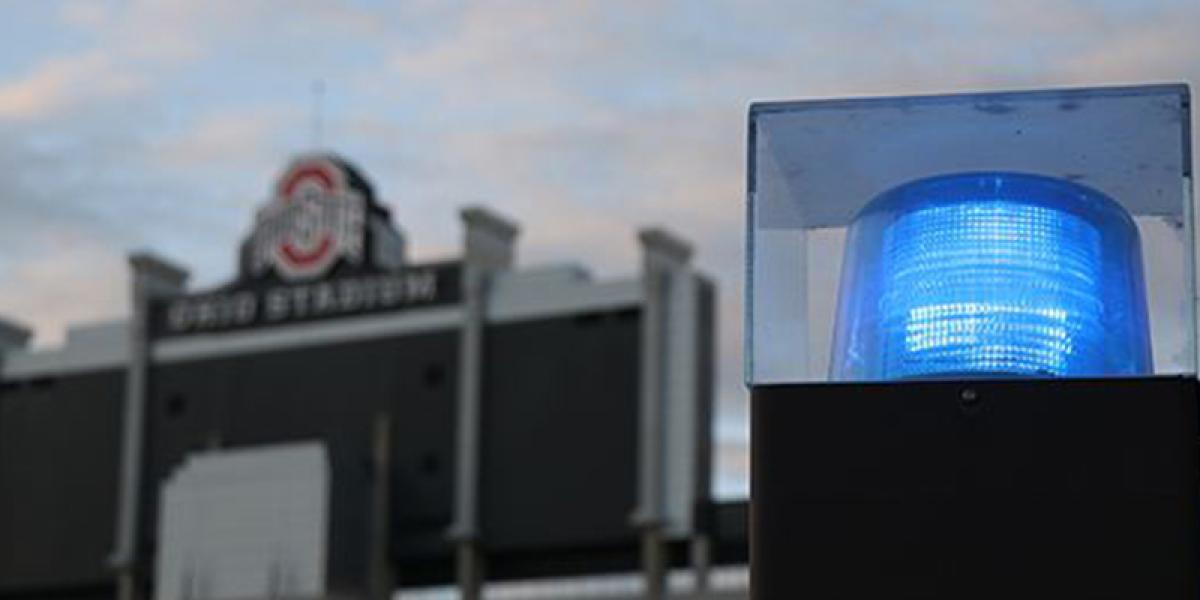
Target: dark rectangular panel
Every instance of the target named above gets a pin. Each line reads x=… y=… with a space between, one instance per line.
x=987 y=489
x=59 y=456
x=706 y=388
x=729 y=523
x=560 y=414
x=104 y=591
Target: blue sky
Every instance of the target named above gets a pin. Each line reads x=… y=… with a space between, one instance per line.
x=161 y=124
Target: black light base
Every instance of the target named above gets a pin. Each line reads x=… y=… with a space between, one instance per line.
x=1063 y=489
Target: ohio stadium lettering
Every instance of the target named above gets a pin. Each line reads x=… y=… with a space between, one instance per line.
x=297 y=302
x=321 y=247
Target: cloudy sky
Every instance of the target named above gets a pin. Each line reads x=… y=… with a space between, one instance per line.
x=160 y=125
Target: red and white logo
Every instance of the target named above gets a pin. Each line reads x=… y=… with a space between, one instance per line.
x=315 y=218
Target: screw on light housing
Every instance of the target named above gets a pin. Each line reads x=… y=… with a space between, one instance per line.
x=991 y=274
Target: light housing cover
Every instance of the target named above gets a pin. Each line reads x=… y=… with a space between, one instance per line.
x=1085 y=173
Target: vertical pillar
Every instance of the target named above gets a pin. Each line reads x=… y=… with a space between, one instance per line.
x=701 y=550
x=381 y=577
x=664 y=256
x=489 y=242
x=152 y=277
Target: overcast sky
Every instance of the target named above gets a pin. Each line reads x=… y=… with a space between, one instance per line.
x=162 y=124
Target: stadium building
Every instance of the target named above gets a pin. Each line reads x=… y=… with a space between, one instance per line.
x=338 y=421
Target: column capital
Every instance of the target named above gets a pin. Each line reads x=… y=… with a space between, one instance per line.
x=489 y=238
x=665 y=247
x=156 y=273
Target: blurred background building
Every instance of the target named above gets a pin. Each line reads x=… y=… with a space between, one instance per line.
x=340 y=421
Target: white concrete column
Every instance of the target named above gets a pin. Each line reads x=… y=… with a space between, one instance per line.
x=489 y=246
x=152 y=277
x=664 y=258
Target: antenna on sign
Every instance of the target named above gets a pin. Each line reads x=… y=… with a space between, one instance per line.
x=318 y=98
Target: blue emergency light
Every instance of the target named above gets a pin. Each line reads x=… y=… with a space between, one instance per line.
x=991 y=274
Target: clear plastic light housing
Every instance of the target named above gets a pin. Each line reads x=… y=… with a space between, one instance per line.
x=991 y=274
x=1043 y=233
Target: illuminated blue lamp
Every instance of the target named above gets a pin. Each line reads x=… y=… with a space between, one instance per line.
x=991 y=274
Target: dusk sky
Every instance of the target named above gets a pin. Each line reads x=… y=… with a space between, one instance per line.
x=162 y=125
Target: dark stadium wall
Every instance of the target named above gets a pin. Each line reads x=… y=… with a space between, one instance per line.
x=560 y=417
x=59 y=440
x=331 y=393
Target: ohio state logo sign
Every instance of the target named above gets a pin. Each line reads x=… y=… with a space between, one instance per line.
x=315 y=219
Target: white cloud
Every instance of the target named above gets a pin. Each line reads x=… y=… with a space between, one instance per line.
x=61 y=84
